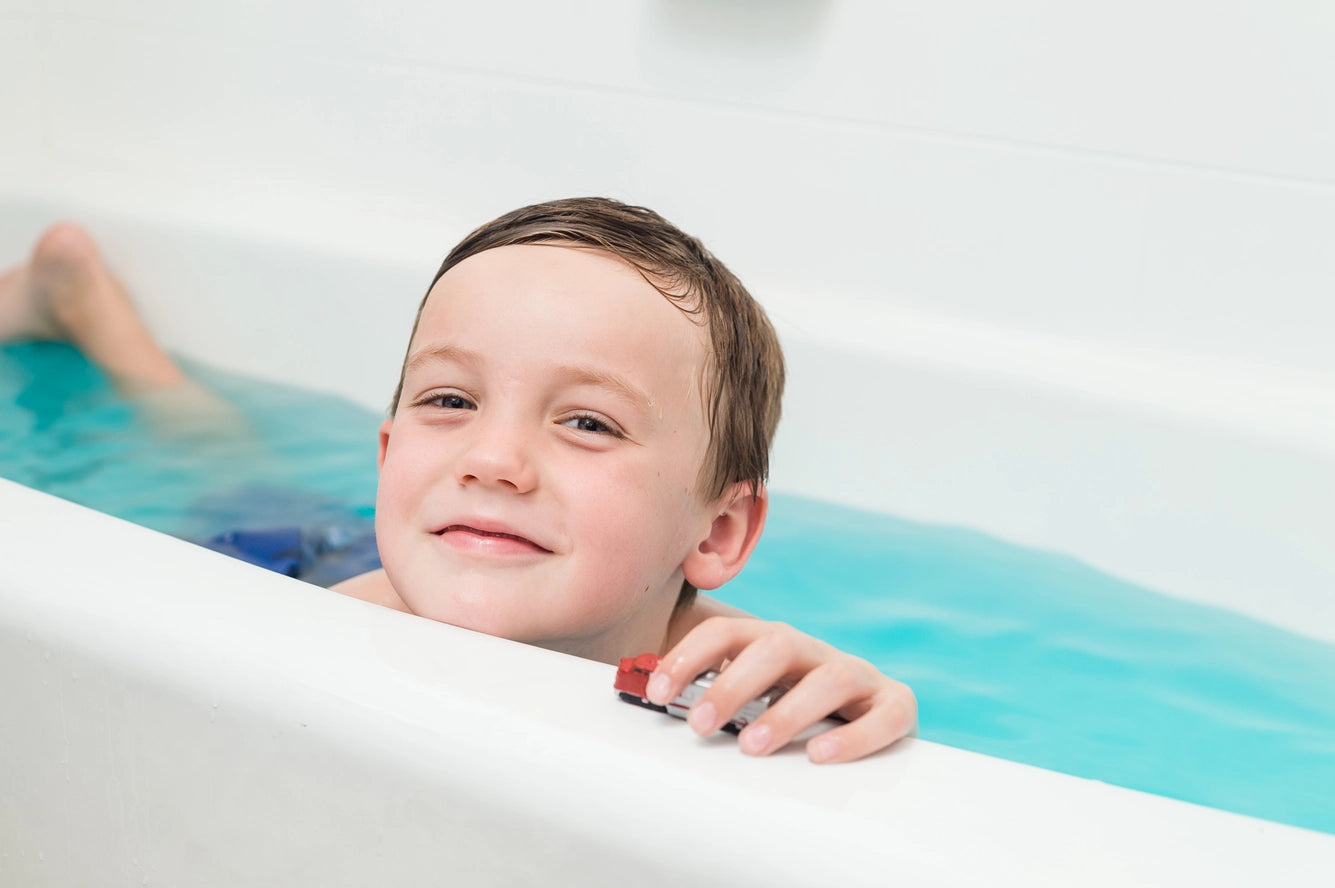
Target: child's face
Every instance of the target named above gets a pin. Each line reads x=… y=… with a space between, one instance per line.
x=540 y=479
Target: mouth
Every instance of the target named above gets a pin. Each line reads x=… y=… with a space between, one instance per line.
x=477 y=538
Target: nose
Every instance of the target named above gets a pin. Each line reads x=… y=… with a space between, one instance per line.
x=497 y=453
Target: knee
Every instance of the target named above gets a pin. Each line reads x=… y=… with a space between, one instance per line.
x=65 y=245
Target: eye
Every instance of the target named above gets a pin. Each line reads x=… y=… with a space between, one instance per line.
x=585 y=422
x=448 y=401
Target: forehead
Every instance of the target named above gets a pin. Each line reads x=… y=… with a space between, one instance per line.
x=532 y=300
x=552 y=269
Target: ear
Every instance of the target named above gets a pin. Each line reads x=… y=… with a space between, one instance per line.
x=721 y=555
x=384 y=441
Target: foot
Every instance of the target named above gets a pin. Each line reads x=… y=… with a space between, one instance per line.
x=66 y=293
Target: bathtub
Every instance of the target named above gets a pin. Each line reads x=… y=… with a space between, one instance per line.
x=176 y=717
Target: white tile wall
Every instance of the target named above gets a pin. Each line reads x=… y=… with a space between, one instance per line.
x=1239 y=85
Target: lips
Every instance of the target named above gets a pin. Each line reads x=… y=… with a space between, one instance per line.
x=488 y=538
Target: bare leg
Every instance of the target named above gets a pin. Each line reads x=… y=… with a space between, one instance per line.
x=66 y=293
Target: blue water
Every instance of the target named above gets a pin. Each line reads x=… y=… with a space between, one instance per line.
x=305 y=459
x=1017 y=653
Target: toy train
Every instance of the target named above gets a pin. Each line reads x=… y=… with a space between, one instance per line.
x=633 y=679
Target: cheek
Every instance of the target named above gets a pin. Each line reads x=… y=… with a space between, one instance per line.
x=389 y=486
x=404 y=477
x=642 y=517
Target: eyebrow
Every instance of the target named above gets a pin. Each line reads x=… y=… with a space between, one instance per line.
x=581 y=375
x=577 y=374
x=437 y=353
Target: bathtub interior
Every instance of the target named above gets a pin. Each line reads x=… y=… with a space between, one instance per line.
x=301 y=723
x=1162 y=472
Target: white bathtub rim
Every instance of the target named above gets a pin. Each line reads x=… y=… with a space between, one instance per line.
x=920 y=798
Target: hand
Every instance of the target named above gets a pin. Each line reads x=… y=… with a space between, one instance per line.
x=822 y=680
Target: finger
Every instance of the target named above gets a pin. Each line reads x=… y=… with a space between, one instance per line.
x=892 y=716
x=777 y=657
x=838 y=685
x=706 y=646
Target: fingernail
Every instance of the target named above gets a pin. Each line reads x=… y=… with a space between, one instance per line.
x=702 y=718
x=658 y=688
x=824 y=748
x=755 y=739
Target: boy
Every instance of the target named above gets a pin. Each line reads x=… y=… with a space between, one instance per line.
x=578 y=442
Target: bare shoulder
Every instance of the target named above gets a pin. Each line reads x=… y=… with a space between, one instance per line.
x=373 y=586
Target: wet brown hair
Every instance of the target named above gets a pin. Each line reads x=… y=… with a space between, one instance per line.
x=743 y=378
